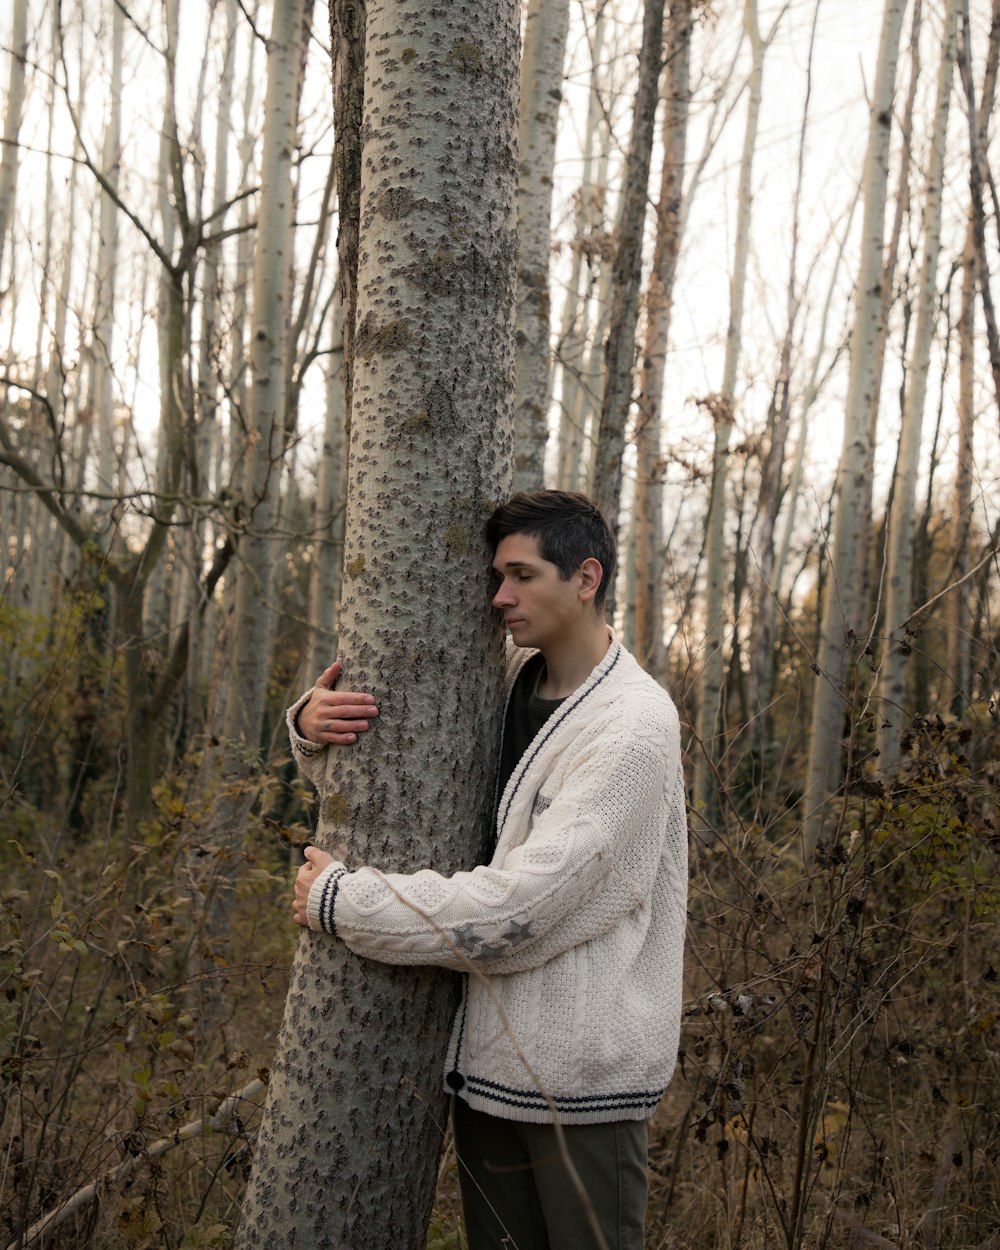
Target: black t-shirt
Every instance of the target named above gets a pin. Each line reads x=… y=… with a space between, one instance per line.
x=527 y=712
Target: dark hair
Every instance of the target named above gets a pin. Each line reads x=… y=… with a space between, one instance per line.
x=569 y=529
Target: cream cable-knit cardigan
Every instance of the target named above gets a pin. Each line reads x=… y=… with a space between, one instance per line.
x=577 y=922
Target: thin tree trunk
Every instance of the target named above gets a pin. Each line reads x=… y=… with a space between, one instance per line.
x=659 y=307
x=252 y=622
x=619 y=349
x=900 y=552
x=10 y=155
x=546 y=25
x=841 y=624
x=107 y=264
x=958 y=621
x=708 y=726
x=347 y=34
x=347 y=1153
x=976 y=161
x=773 y=467
x=325 y=574
x=573 y=326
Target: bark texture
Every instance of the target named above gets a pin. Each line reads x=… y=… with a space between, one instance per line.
x=659 y=306
x=902 y=535
x=347 y=36
x=347 y=1154
x=541 y=93
x=710 y=727
x=841 y=623
x=619 y=350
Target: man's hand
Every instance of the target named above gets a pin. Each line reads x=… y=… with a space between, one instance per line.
x=335 y=716
x=316 y=861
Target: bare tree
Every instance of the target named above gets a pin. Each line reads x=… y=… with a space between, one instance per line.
x=842 y=630
x=619 y=347
x=659 y=308
x=545 y=30
x=709 y=726
x=899 y=554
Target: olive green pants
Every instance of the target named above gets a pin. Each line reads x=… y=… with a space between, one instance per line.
x=517 y=1193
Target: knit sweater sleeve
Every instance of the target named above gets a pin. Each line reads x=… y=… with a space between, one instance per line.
x=592 y=852
x=310 y=756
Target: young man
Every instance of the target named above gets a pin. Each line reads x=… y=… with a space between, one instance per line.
x=577 y=922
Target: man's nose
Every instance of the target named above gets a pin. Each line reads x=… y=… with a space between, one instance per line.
x=502 y=598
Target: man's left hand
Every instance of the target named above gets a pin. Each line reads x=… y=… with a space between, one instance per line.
x=316 y=861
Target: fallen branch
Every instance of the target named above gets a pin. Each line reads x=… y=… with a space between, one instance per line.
x=83 y=1197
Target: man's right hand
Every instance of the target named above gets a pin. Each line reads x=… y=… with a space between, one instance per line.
x=335 y=716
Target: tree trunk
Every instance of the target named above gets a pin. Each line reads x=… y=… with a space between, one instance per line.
x=899 y=559
x=619 y=349
x=659 y=306
x=325 y=575
x=573 y=326
x=347 y=1152
x=347 y=35
x=841 y=624
x=10 y=155
x=546 y=25
x=709 y=727
x=107 y=263
x=958 y=648
x=773 y=466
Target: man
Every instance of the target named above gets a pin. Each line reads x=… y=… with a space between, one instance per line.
x=573 y=932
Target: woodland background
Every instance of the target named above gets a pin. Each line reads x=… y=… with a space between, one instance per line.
x=754 y=317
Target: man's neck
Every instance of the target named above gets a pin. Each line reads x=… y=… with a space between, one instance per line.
x=571 y=662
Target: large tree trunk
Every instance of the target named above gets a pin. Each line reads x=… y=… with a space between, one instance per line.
x=541 y=92
x=348 y=1150
x=659 y=306
x=841 y=624
x=619 y=350
x=899 y=557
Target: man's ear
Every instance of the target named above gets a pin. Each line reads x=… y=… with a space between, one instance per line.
x=591 y=572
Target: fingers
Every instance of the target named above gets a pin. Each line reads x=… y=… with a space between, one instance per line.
x=328 y=678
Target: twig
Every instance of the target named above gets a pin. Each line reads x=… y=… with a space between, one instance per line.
x=83 y=1197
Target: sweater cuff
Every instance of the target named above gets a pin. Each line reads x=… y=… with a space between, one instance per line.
x=323 y=897
x=303 y=745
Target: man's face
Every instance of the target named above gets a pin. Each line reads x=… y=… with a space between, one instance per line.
x=538 y=607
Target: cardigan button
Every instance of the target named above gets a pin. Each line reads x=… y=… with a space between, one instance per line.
x=454 y=1080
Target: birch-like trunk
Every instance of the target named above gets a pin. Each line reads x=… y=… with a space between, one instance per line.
x=708 y=724
x=574 y=319
x=959 y=617
x=773 y=467
x=107 y=265
x=347 y=37
x=619 y=349
x=545 y=31
x=659 y=306
x=325 y=575
x=899 y=557
x=842 y=620
x=347 y=1154
x=10 y=154
x=262 y=453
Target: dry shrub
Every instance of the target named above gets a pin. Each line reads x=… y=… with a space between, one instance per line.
x=839 y=1077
